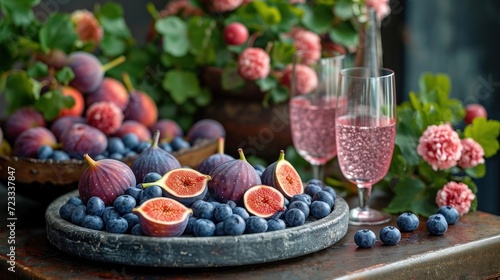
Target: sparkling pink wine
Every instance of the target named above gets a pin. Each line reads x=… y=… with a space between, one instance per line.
x=313 y=128
x=365 y=146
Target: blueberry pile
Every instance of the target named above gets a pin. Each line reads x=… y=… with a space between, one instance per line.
x=210 y=218
x=437 y=224
x=118 y=148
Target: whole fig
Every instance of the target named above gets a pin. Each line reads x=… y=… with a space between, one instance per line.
x=106 y=179
x=214 y=160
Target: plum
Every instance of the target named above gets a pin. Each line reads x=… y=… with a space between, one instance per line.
x=473 y=111
x=60 y=125
x=205 y=129
x=82 y=139
x=169 y=129
x=28 y=142
x=110 y=90
x=77 y=108
x=136 y=128
x=142 y=108
x=235 y=34
x=21 y=120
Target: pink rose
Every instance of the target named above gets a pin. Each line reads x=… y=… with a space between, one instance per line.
x=306 y=79
x=254 y=63
x=381 y=7
x=472 y=154
x=440 y=146
x=457 y=195
x=308 y=42
x=224 y=5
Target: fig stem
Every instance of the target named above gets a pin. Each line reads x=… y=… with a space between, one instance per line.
x=127 y=82
x=89 y=160
x=156 y=139
x=150 y=7
x=242 y=155
x=113 y=63
x=282 y=155
x=150 y=184
x=220 y=146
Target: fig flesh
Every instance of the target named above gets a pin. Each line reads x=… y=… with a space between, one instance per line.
x=214 y=160
x=282 y=175
x=185 y=185
x=162 y=217
x=263 y=201
x=231 y=179
x=106 y=179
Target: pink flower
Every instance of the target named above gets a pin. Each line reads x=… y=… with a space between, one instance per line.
x=457 y=195
x=381 y=7
x=472 y=153
x=221 y=6
x=440 y=146
x=309 y=42
x=306 y=79
x=180 y=7
x=86 y=26
x=254 y=63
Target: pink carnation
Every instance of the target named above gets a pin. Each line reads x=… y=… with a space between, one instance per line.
x=254 y=63
x=306 y=79
x=381 y=7
x=457 y=195
x=221 y=6
x=180 y=7
x=309 y=42
x=86 y=26
x=472 y=153
x=440 y=146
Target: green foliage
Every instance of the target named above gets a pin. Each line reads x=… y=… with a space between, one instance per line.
x=58 y=33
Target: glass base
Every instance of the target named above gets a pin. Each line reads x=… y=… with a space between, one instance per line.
x=367 y=216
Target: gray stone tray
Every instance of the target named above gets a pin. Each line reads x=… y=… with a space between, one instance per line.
x=189 y=251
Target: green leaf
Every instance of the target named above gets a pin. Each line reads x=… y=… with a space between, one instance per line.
x=412 y=195
x=319 y=19
x=270 y=15
x=181 y=85
x=282 y=54
x=111 y=18
x=51 y=103
x=204 y=98
x=279 y=94
x=112 y=46
x=486 y=133
x=21 y=90
x=21 y=11
x=289 y=17
x=200 y=32
x=428 y=82
x=185 y=62
x=344 y=34
x=58 y=33
x=473 y=187
x=65 y=75
x=175 y=37
x=38 y=70
x=407 y=136
x=266 y=84
x=476 y=172
x=344 y=10
x=230 y=78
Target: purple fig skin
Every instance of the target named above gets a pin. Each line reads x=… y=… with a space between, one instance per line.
x=28 y=142
x=81 y=139
x=270 y=176
x=166 y=227
x=205 y=129
x=110 y=90
x=214 y=160
x=231 y=179
x=105 y=178
x=169 y=129
x=88 y=71
x=21 y=120
x=154 y=159
x=59 y=126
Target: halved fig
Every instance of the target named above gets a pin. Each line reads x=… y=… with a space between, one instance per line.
x=185 y=185
x=282 y=175
x=162 y=217
x=263 y=201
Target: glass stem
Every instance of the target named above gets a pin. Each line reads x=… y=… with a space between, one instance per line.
x=364 y=193
x=318 y=171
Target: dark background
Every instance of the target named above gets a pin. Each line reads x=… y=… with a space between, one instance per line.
x=457 y=37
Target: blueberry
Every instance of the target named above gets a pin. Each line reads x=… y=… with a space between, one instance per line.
x=364 y=238
x=311 y=189
x=99 y=157
x=143 y=145
x=215 y=203
x=316 y=182
x=75 y=200
x=130 y=154
x=117 y=225
x=301 y=205
x=436 y=224
x=92 y=222
x=44 y=152
x=136 y=230
x=204 y=210
x=124 y=204
x=221 y=212
x=255 y=224
x=151 y=192
x=287 y=202
x=134 y=192
x=259 y=167
x=115 y=145
x=178 y=143
x=231 y=204
x=320 y=209
x=302 y=197
x=132 y=220
x=234 y=225
x=95 y=206
x=189 y=227
x=389 y=235
x=59 y=156
x=151 y=177
x=242 y=212
x=450 y=214
x=196 y=202
x=130 y=140
x=116 y=156
x=166 y=147
x=407 y=222
x=275 y=224
x=294 y=217
x=219 y=229
x=109 y=214
x=66 y=211
x=78 y=215
x=203 y=227
x=331 y=191
x=325 y=197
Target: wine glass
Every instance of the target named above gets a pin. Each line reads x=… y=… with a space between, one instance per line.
x=312 y=106
x=365 y=132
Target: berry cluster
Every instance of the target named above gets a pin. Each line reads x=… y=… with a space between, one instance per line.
x=436 y=224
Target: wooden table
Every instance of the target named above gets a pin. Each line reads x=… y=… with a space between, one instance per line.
x=470 y=249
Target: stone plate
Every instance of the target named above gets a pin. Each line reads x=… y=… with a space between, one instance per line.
x=190 y=251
